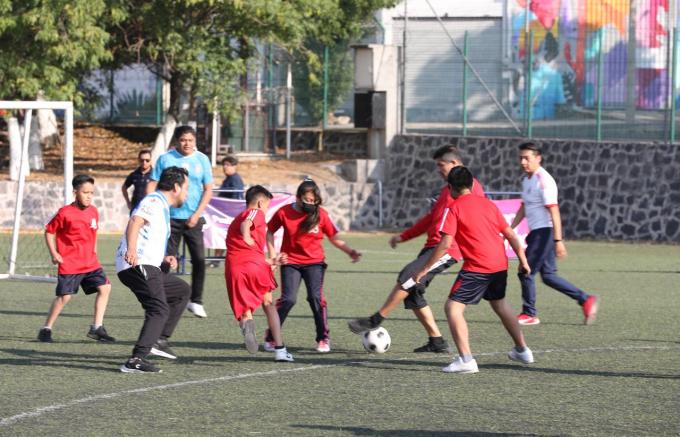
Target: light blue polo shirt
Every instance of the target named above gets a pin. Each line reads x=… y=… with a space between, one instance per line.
x=200 y=173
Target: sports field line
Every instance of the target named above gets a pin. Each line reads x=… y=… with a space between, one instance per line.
x=47 y=409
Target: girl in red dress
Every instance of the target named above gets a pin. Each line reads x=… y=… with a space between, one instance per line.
x=304 y=225
x=248 y=272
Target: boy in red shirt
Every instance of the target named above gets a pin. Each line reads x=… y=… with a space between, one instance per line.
x=476 y=224
x=248 y=272
x=304 y=224
x=71 y=238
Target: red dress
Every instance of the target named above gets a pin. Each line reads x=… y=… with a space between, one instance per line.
x=247 y=273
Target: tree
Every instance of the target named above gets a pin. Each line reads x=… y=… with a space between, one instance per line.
x=50 y=45
x=204 y=45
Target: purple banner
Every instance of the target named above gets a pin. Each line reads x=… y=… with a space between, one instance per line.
x=509 y=209
x=220 y=212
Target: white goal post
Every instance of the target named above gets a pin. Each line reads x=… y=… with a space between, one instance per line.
x=29 y=106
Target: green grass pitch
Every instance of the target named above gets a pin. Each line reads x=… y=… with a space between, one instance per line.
x=620 y=376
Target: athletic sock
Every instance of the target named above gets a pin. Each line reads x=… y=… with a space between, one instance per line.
x=520 y=349
x=47 y=327
x=466 y=358
x=437 y=340
x=376 y=319
x=95 y=327
x=278 y=348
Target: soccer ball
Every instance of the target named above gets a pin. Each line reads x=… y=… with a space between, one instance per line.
x=377 y=340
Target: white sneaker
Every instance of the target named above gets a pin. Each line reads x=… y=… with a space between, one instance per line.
x=282 y=355
x=526 y=357
x=197 y=310
x=323 y=346
x=269 y=346
x=458 y=366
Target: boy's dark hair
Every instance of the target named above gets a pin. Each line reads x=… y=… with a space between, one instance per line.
x=81 y=179
x=184 y=129
x=257 y=192
x=172 y=176
x=530 y=145
x=313 y=218
x=460 y=178
x=447 y=153
x=231 y=160
x=143 y=152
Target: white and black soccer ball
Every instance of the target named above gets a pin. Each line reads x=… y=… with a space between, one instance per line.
x=376 y=341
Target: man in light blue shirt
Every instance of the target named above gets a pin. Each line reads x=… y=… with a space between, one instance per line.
x=187 y=221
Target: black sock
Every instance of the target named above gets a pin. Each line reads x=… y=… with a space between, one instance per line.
x=376 y=319
x=278 y=348
x=437 y=340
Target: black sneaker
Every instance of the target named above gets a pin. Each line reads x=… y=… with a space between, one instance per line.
x=361 y=325
x=438 y=347
x=100 y=334
x=162 y=349
x=139 y=365
x=45 y=335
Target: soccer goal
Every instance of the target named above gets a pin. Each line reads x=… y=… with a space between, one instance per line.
x=23 y=254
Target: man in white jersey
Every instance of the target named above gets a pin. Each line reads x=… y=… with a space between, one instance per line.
x=142 y=266
x=544 y=242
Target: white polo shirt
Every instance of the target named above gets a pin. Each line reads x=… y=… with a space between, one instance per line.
x=539 y=192
x=153 y=236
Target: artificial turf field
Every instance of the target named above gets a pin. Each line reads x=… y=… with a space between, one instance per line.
x=620 y=376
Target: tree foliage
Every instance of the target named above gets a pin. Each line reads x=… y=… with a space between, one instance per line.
x=205 y=45
x=50 y=45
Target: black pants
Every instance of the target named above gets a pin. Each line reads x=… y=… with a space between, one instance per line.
x=193 y=237
x=312 y=274
x=163 y=297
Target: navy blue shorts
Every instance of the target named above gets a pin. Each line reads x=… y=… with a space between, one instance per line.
x=89 y=281
x=471 y=287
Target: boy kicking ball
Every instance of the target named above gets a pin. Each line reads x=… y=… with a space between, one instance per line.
x=475 y=223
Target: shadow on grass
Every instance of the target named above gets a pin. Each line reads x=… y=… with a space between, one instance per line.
x=68 y=315
x=578 y=372
x=26 y=357
x=359 y=430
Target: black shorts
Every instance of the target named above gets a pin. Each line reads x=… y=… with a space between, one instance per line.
x=471 y=287
x=89 y=281
x=415 y=299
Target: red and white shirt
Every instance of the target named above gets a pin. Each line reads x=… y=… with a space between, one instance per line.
x=237 y=249
x=302 y=247
x=76 y=231
x=539 y=191
x=431 y=221
x=476 y=223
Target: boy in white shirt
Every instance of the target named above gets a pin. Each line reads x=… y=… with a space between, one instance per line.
x=142 y=266
x=544 y=242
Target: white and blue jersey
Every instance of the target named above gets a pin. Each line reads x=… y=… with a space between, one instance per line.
x=153 y=236
x=200 y=173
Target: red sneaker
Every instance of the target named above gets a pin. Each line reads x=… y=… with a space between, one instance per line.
x=526 y=319
x=590 y=309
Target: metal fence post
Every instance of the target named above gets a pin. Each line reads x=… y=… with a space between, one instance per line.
x=325 y=87
x=465 y=85
x=159 y=101
x=674 y=59
x=530 y=72
x=599 y=90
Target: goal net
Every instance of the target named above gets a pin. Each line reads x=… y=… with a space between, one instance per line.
x=26 y=205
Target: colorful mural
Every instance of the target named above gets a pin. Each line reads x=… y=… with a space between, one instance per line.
x=567 y=38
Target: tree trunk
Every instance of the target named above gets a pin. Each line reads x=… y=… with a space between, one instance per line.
x=164 y=138
x=15 y=149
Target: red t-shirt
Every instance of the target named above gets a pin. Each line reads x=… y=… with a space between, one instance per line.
x=476 y=224
x=76 y=231
x=237 y=249
x=431 y=221
x=302 y=247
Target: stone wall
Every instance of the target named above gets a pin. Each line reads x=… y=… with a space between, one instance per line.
x=349 y=204
x=350 y=143
x=612 y=191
